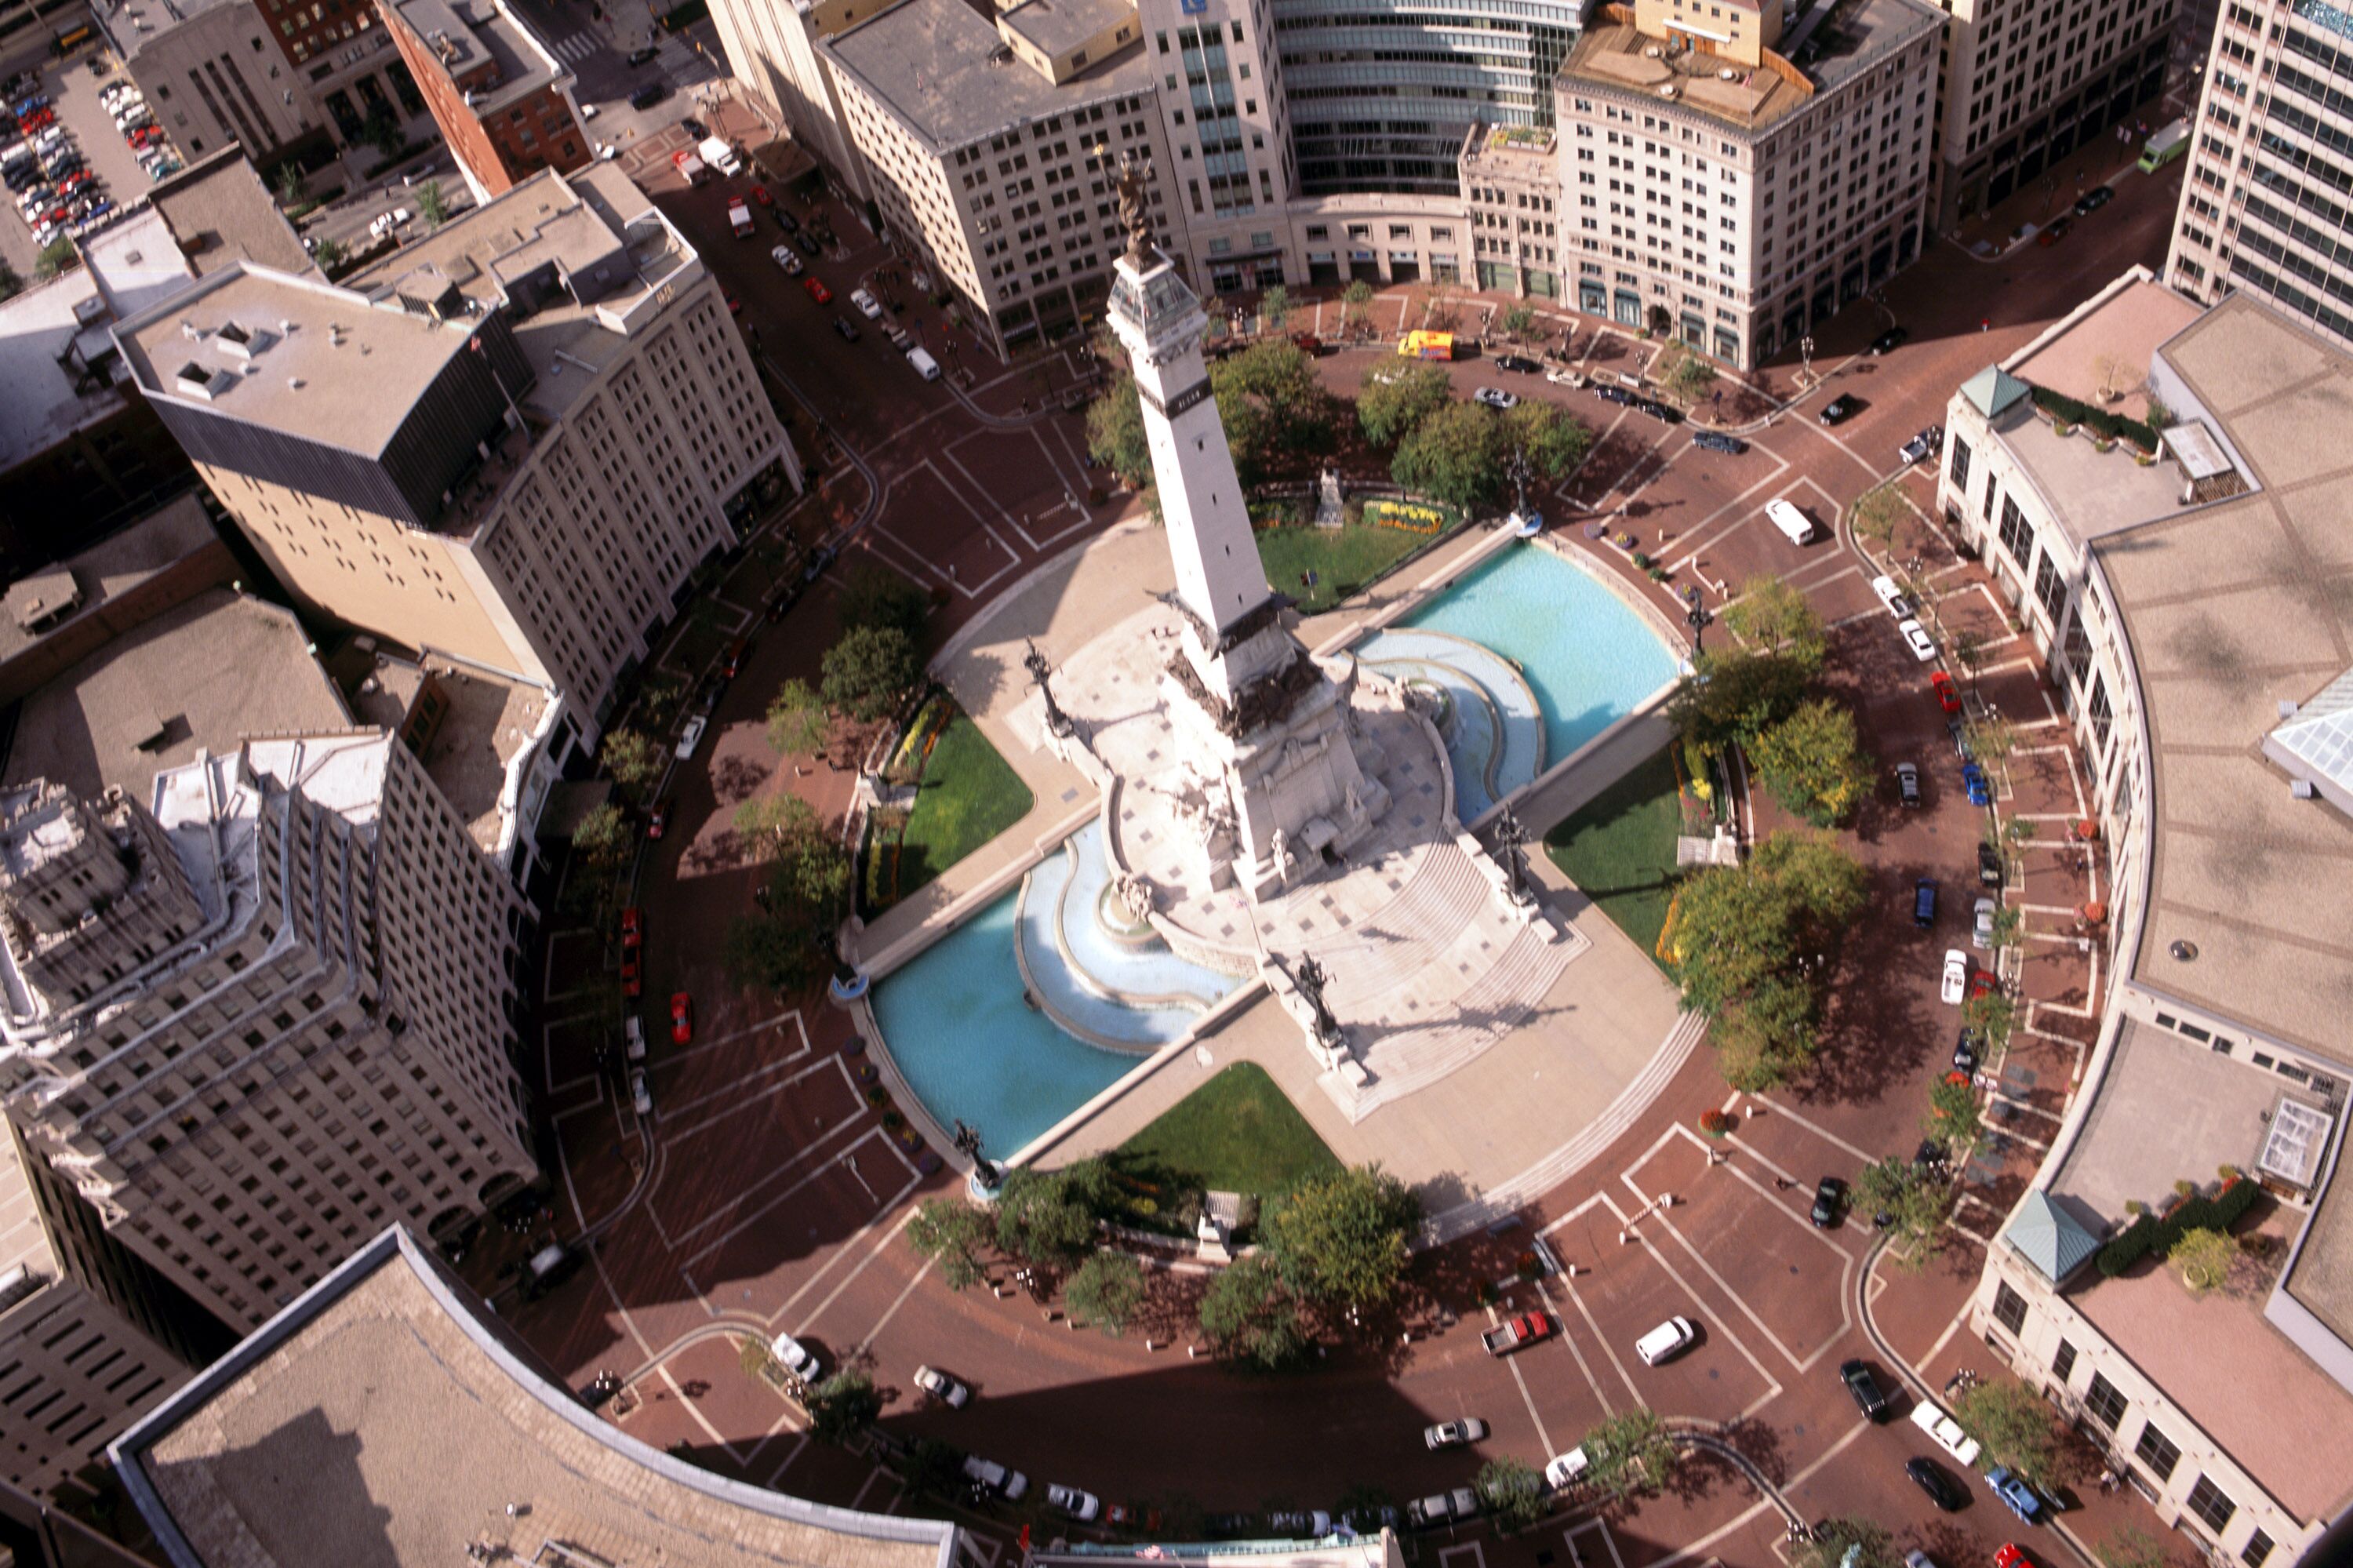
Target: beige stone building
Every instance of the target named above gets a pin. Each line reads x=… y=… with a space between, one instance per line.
x=1511 y=193
x=993 y=171
x=508 y=443
x=1735 y=186
x=772 y=50
x=254 y=1023
x=2267 y=204
x=2182 y=608
x=387 y=1417
x=2024 y=86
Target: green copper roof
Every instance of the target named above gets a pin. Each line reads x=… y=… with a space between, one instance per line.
x=1993 y=389
x=2048 y=1237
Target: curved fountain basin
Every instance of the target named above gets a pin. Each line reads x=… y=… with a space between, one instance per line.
x=1495 y=730
x=1107 y=992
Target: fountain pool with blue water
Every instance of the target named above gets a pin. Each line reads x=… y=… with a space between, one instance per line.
x=1535 y=656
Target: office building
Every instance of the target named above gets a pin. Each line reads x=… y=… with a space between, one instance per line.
x=2167 y=585
x=502 y=98
x=2024 y=86
x=2267 y=204
x=1731 y=184
x=773 y=51
x=253 y=1024
x=282 y=81
x=385 y=1416
x=508 y=444
x=993 y=151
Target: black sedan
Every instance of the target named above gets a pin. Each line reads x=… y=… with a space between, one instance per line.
x=1869 y=1397
x=1613 y=394
x=1965 y=1056
x=1947 y=1494
x=1716 y=441
x=1830 y=1200
x=2092 y=200
x=1892 y=338
x=1518 y=363
x=1840 y=409
x=1989 y=865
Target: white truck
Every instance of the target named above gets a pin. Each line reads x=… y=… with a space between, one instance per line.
x=720 y=155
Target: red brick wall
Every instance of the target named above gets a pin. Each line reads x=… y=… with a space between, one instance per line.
x=492 y=149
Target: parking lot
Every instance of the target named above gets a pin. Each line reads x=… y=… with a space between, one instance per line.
x=75 y=95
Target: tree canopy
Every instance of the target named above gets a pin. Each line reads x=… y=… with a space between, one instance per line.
x=1455 y=454
x=1732 y=695
x=1115 y=433
x=1629 y=1452
x=1043 y=1217
x=633 y=760
x=1341 y=1239
x=876 y=596
x=2015 y=1425
x=785 y=947
x=869 y=669
x=1852 y=1543
x=952 y=1232
x=843 y=1405
x=603 y=838
x=1249 y=1315
x=1106 y=1292
x=1513 y=1492
x=1914 y=1204
x=1776 y=618
x=797 y=721
x=1397 y=396
x=1551 y=440
x=1814 y=763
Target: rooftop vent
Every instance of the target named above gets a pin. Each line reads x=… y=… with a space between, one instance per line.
x=1667 y=92
x=2302 y=788
x=294 y=383
x=1651 y=51
x=2287 y=708
x=2183 y=950
x=197 y=381
x=191 y=331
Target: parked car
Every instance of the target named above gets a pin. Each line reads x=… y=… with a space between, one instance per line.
x=645 y=97
x=1133 y=1518
x=1869 y=1397
x=2015 y=1493
x=795 y=1357
x=1924 y=901
x=1443 y=1508
x=2055 y=231
x=656 y=818
x=2008 y=1554
x=737 y=651
x=1517 y=364
x=1980 y=791
x=1966 y=1052
x=846 y=328
x=633 y=1037
x=1718 y=441
x=990 y=1475
x=1665 y=1342
x=1925 y=445
x=1981 y=925
x=1518 y=1330
x=1454 y=1434
x=1840 y=409
x=1907 y=784
x=1916 y=636
x=1947 y=1494
x=818 y=291
x=693 y=127
x=1080 y=1506
x=1793 y=525
x=682 y=1018
x=633 y=976
x=1308 y=1523
x=1666 y=414
x=1989 y=865
x=1494 y=398
x=1947 y=698
x=1888 y=341
x=1565 y=377
x=690 y=736
x=2092 y=200
x=1562 y=1470
x=1829 y=1202
x=783 y=256
x=1956 y=977
x=1609 y=393
x=1982 y=983
x=868 y=306
x=641 y=56
x=641 y=1098
x=1307 y=343
x=949 y=1391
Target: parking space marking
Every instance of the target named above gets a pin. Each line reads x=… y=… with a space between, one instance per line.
x=864 y=1264
x=1633 y=1393
x=753 y=1217
x=1569 y=1341
x=1512 y=1365
x=1772 y=1384
x=1469 y=1548
x=1825 y=1134
x=1598 y=1526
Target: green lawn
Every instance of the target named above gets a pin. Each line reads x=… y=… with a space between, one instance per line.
x=1234 y=1134
x=969 y=796
x=1620 y=849
x=1345 y=559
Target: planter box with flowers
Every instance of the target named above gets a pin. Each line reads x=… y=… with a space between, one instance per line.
x=1718 y=1124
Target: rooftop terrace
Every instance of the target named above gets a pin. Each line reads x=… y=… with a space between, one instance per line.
x=1842 y=38
x=947 y=73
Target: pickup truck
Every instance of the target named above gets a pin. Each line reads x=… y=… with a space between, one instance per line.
x=1523 y=1329
x=740 y=217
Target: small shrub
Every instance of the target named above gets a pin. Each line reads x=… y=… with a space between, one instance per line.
x=1657 y=574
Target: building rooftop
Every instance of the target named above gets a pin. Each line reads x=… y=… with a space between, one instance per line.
x=133 y=24
x=383 y=1419
x=79 y=585
x=1511 y=152
x=2212 y=1353
x=941 y=68
x=2102 y=356
x=467 y=725
x=1842 y=38
x=486 y=49
x=202 y=676
x=2230 y=609
x=2090 y=493
x=581 y=260
x=1058 y=27
x=2320 y=1278
x=294 y=354
x=221 y=213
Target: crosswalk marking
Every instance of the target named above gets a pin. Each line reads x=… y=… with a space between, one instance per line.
x=576 y=48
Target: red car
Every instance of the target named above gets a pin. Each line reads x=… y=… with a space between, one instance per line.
x=760 y=195
x=734 y=306
x=818 y=291
x=658 y=819
x=2013 y=1555
x=1982 y=983
x=1947 y=698
x=737 y=651
x=682 y=1018
x=633 y=928
x=633 y=977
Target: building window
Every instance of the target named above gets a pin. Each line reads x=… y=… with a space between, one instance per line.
x=2104 y=1401
x=2258 y=1547
x=2064 y=1363
x=2050 y=588
x=1960 y=465
x=2016 y=537
x=2211 y=1504
x=2155 y=1450
x=2009 y=1308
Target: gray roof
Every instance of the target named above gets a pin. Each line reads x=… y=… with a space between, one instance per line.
x=468 y=34
x=221 y=212
x=945 y=72
x=2048 y=1237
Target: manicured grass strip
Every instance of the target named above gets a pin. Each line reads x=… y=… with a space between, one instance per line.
x=1345 y=559
x=1236 y=1133
x=969 y=796
x=1620 y=849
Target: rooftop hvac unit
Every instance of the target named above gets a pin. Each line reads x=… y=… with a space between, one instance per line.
x=2301 y=790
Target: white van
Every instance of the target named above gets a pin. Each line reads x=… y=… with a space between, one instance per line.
x=1793 y=523
x=926 y=365
x=1665 y=1342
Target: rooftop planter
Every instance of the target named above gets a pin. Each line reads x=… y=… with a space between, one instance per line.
x=2066 y=413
